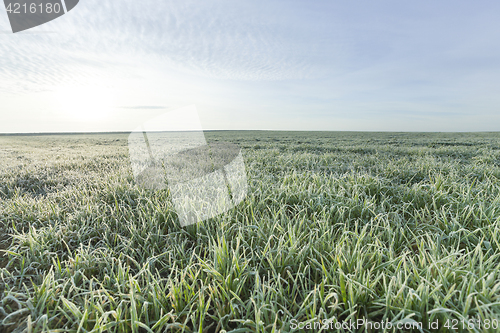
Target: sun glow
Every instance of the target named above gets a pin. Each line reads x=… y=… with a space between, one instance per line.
x=85 y=103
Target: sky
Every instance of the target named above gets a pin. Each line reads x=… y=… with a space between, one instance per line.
x=256 y=65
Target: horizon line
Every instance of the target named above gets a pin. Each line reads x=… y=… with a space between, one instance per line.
x=235 y=130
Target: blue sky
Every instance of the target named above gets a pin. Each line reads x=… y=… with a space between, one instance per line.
x=286 y=65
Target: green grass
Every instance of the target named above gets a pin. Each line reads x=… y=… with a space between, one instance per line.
x=384 y=226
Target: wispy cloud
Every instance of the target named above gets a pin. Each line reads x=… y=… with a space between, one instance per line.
x=99 y=39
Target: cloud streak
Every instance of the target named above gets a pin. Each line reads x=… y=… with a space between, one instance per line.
x=144 y=107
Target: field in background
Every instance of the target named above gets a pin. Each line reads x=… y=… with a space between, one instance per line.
x=385 y=226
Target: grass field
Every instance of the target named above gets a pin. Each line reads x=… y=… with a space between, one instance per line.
x=391 y=227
